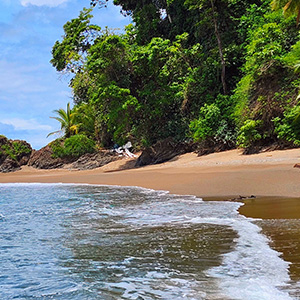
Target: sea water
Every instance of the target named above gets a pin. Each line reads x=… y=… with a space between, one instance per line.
x=84 y=242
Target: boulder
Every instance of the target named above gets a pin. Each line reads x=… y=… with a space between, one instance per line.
x=43 y=159
x=210 y=145
x=162 y=151
x=94 y=160
x=13 y=154
x=9 y=165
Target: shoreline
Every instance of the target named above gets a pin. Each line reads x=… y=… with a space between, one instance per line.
x=224 y=176
x=270 y=177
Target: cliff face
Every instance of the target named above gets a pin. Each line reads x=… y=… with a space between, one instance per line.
x=13 y=154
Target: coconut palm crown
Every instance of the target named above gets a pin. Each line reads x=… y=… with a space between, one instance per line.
x=66 y=118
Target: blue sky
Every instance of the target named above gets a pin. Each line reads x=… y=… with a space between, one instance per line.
x=30 y=88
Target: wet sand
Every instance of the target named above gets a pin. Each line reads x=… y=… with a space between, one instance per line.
x=281 y=223
x=271 y=208
x=270 y=177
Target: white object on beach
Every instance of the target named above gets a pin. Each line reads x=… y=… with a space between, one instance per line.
x=124 y=150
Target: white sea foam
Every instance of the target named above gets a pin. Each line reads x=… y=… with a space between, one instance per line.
x=156 y=285
x=252 y=270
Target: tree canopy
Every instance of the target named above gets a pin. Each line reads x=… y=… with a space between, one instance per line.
x=222 y=73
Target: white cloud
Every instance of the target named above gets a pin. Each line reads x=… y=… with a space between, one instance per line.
x=22 y=124
x=51 y=3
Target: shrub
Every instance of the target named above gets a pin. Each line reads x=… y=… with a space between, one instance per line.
x=57 y=147
x=212 y=125
x=8 y=151
x=78 y=145
x=16 y=149
x=20 y=148
x=248 y=133
x=207 y=124
x=288 y=128
x=73 y=146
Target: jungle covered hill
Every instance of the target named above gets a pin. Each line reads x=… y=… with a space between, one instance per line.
x=220 y=74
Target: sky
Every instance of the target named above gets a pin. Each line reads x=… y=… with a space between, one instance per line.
x=30 y=87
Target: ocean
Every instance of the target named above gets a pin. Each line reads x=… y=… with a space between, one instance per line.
x=85 y=242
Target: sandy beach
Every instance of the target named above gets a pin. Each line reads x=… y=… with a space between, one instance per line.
x=225 y=174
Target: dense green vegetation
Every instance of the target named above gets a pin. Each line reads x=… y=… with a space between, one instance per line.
x=15 y=150
x=72 y=147
x=223 y=73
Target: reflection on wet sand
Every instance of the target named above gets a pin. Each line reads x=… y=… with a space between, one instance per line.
x=281 y=223
x=271 y=208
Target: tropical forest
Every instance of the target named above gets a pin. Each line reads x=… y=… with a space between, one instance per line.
x=219 y=74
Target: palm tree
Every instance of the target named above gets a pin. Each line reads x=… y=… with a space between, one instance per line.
x=66 y=118
x=290 y=7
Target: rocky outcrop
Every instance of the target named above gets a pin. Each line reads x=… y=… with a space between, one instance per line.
x=163 y=151
x=13 y=154
x=94 y=160
x=211 y=146
x=44 y=159
x=9 y=165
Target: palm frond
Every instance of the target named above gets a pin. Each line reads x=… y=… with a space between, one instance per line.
x=54 y=132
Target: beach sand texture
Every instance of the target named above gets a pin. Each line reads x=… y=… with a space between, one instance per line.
x=228 y=174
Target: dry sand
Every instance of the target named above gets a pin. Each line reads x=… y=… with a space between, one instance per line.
x=226 y=174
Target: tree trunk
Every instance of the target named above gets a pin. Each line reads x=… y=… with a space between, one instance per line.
x=220 y=47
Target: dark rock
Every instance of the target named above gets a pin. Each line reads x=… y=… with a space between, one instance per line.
x=240 y=198
x=94 y=160
x=3 y=143
x=43 y=159
x=13 y=154
x=24 y=160
x=163 y=151
x=3 y=140
x=9 y=165
x=211 y=146
x=297 y=166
